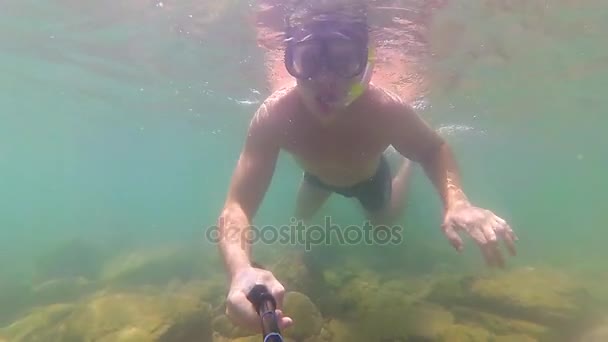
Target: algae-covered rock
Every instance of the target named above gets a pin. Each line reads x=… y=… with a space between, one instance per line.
x=129 y=334
x=344 y=331
x=333 y=279
x=211 y=290
x=336 y=278
x=515 y=338
x=464 y=333
x=43 y=324
x=414 y=288
x=293 y=273
x=307 y=318
x=392 y=309
x=497 y=324
x=323 y=336
x=169 y=318
x=117 y=317
x=61 y=290
x=152 y=266
x=392 y=317
x=544 y=297
x=426 y=320
x=224 y=327
x=596 y=333
x=353 y=296
x=351 y=293
x=254 y=338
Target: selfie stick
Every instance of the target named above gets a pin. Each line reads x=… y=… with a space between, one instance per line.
x=265 y=305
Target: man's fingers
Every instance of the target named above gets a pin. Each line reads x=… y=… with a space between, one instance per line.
x=508 y=235
x=284 y=321
x=492 y=254
x=241 y=312
x=488 y=232
x=452 y=236
x=478 y=235
x=486 y=238
x=278 y=292
x=499 y=260
x=509 y=241
x=487 y=255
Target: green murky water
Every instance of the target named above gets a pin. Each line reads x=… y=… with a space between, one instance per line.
x=121 y=123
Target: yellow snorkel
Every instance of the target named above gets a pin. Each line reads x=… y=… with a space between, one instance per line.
x=358 y=88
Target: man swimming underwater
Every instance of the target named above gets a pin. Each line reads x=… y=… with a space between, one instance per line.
x=338 y=126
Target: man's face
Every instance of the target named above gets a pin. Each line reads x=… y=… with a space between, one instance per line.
x=327 y=63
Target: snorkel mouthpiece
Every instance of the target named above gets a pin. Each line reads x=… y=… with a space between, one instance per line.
x=358 y=88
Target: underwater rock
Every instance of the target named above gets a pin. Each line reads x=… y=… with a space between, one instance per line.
x=342 y=331
x=323 y=336
x=291 y=271
x=397 y=318
x=333 y=279
x=212 y=290
x=497 y=324
x=598 y=333
x=118 y=317
x=544 y=297
x=254 y=338
x=393 y=322
x=61 y=290
x=415 y=288
x=514 y=338
x=128 y=334
x=391 y=310
x=336 y=278
x=307 y=318
x=464 y=333
x=348 y=291
x=152 y=266
x=42 y=324
x=424 y=321
x=353 y=296
x=224 y=327
x=74 y=258
x=169 y=318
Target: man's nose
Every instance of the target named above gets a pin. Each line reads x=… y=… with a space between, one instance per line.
x=326 y=78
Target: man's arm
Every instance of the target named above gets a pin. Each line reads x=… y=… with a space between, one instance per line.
x=411 y=136
x=248 y=186
x=416 y=140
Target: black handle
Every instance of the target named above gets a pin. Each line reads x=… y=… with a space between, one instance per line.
x=265 y=305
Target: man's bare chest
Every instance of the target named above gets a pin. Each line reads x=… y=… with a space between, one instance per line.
x=342 y=144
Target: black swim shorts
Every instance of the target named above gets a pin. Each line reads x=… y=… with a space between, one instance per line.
x=373 y=193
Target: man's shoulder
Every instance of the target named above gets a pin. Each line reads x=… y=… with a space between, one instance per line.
x=384 y=97
x=388 y=109
x=385 y=104
x=280 y=101
x=281 y=98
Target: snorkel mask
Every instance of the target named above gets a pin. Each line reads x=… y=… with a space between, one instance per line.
x=330 y=43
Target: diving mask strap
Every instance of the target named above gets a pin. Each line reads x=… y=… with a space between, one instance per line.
x=358 y=88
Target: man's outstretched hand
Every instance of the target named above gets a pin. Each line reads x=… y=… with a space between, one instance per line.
x=484 y=227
